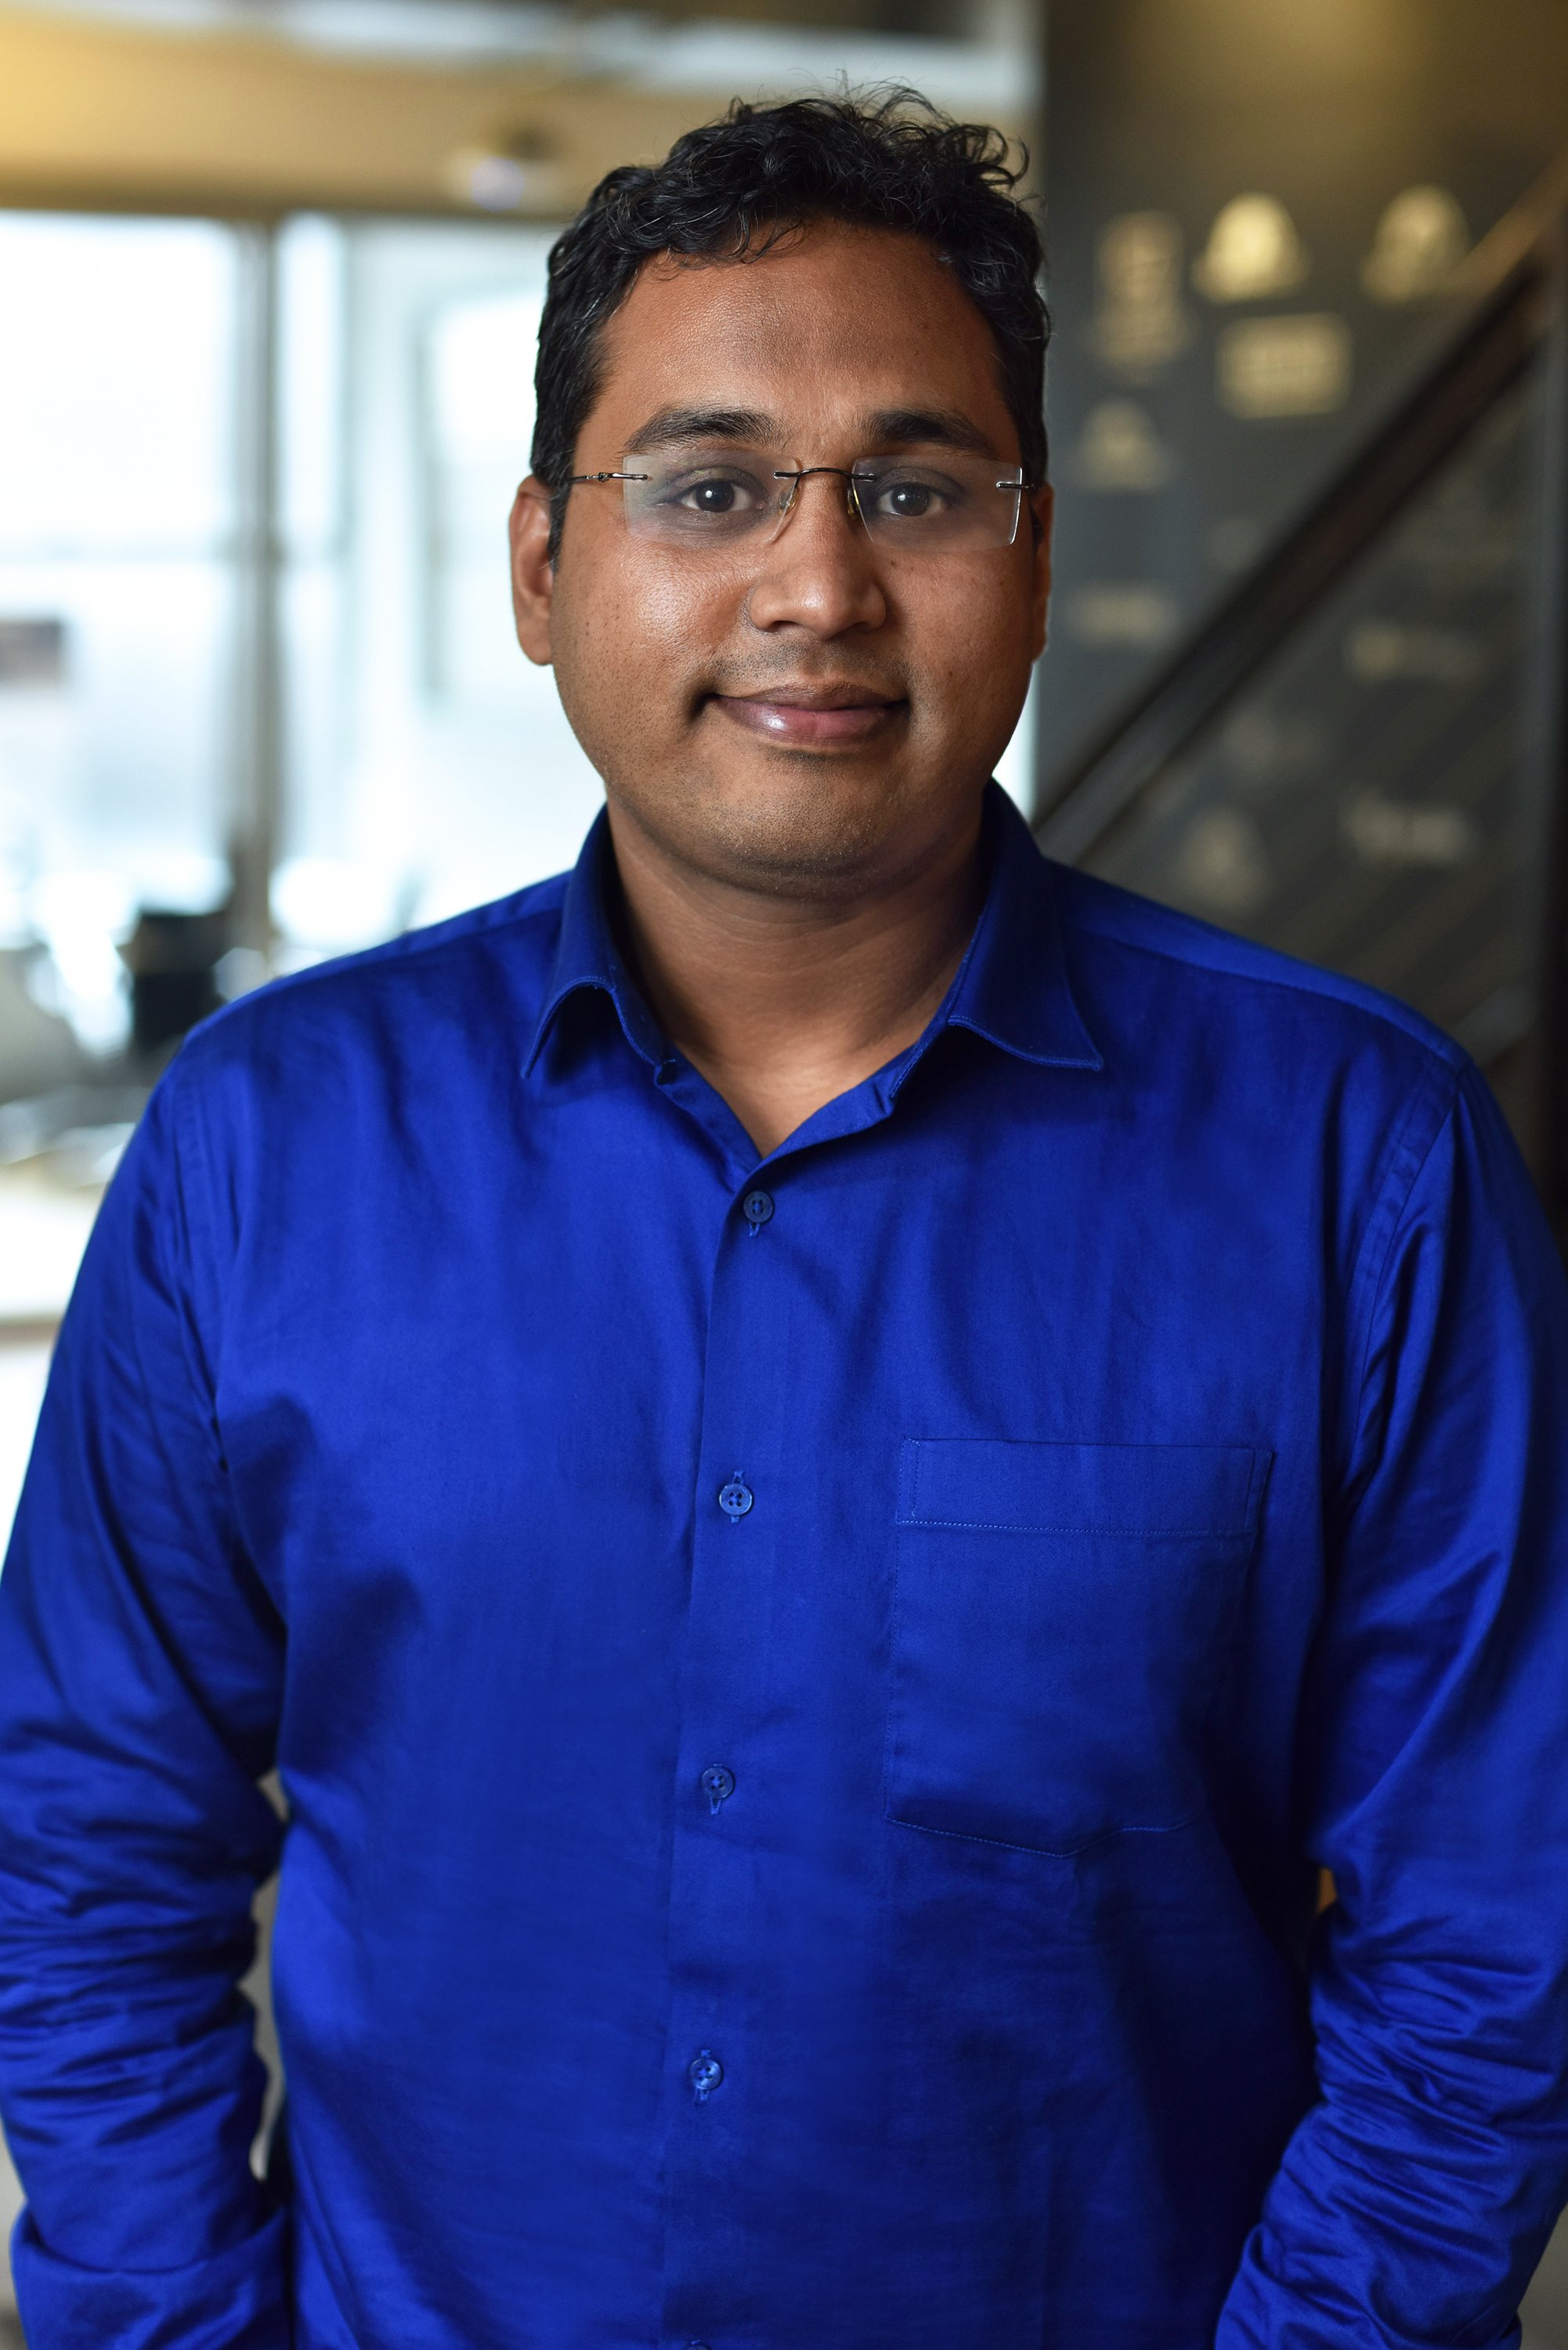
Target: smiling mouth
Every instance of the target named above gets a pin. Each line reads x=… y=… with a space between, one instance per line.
x=805 y=715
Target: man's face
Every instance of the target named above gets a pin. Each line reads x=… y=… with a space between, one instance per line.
x=808 y=713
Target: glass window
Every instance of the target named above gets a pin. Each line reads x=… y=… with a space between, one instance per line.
x=430 y=766
x=117 y=527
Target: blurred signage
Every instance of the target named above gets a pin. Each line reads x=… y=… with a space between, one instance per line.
x=1285 y=367
x=1138 y=614
x=1120 y=450
x=1140 y=322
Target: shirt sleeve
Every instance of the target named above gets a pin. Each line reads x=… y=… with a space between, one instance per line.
x=1414 y=2200
x=140 y=1669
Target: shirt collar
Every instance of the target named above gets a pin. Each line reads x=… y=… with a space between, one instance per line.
x=586 y=956
x=1013 y=987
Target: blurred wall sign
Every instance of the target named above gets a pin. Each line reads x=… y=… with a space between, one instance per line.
x=1379 y=831
x=1223 y=863
x=1253 y=253
x=1120 y=450
x=1421 y=240
x=1264 y=748
x=32 y=652
x=1296 y=366
x=1380 y=651
x=1139 y=324
x=1122 y=614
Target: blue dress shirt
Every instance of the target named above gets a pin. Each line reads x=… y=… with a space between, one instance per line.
x=811 y=1691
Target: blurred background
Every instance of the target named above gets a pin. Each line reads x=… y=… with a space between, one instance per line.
x=270 y=279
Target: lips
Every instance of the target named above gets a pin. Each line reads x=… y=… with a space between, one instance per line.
x=829 y=715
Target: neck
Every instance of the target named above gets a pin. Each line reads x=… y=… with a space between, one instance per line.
x=784 y=1002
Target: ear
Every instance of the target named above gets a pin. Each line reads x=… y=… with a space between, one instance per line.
x=1043 y=505
x=533 y=573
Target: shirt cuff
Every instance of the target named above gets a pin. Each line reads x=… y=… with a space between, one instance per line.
x=235 y=2300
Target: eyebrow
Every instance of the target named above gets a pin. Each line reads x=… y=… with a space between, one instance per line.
x=886 y=428
x=943 y=427
x=678 y=427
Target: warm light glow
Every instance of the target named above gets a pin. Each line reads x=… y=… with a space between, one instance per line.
x=1253 y=252
x=1421 y=240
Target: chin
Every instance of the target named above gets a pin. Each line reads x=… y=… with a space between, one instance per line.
x=797 y=825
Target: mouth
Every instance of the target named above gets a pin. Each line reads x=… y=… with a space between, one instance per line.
x=816 y=714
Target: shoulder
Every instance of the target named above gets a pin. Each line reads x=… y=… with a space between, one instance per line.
x=1127 y=948
x=294 y=1091
x=489 y=966
x=1316 y=1086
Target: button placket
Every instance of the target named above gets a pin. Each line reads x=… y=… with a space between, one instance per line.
x=719 y=1951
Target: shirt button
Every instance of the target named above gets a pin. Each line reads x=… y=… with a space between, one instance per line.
x=717 y=1785
x=704 y=2072
x=757 y=1208
x=735 y=1499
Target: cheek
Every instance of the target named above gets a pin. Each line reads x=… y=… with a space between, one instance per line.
x=969 y=641
x=644 y=630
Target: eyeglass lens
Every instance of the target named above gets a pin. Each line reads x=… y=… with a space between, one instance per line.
x=725 y=497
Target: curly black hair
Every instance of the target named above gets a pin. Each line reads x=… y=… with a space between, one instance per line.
x=881 y=160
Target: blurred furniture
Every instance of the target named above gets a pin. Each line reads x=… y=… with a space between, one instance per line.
x=173 y=959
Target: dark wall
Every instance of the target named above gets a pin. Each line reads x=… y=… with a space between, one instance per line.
x=1201 y=389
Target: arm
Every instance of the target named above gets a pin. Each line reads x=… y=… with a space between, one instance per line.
x=1414 y=2200
x=141 y=1667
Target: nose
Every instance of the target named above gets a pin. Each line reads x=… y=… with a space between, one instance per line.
x=819 y=571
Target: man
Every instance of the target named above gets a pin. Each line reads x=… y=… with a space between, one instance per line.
x=831 y=1462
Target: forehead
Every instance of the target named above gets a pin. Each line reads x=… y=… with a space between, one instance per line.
x=832 y=323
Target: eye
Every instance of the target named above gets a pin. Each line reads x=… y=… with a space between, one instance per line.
x=713 y=497
x=910 y=496
x=907 y=501
x=716 y=495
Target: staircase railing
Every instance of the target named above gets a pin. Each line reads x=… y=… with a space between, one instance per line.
x=1513 y=289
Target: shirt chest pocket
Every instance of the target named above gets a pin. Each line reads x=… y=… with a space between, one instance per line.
x=1061 y=1619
